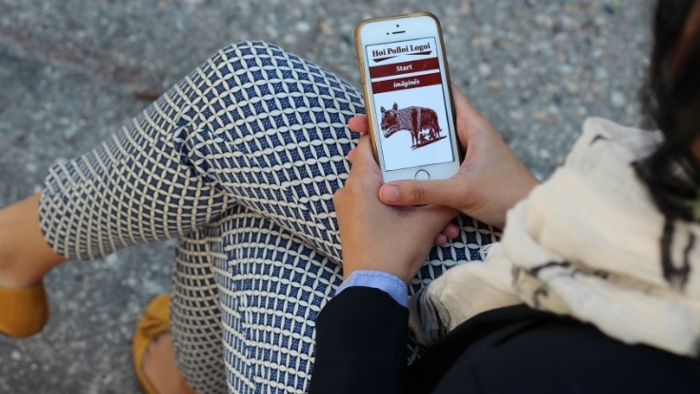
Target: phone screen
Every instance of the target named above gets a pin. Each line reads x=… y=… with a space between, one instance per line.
x=409 y=103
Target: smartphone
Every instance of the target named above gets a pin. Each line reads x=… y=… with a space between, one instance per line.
x=408 y=98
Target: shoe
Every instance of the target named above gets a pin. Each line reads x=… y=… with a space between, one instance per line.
x=23 y=312
x=154 y=322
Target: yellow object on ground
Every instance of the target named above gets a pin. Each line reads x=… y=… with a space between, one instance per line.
x=23 y=312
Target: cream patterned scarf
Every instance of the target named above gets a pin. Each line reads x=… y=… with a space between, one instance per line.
x=588 y=243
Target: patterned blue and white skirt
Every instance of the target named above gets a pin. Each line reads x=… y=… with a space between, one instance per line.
x=239 y=161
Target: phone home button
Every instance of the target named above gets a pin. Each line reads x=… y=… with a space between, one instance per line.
x=422 y=175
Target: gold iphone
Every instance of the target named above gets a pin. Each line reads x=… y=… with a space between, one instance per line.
x=408 y=98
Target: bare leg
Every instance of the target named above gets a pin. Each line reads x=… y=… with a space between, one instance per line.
x=25 y=257
x=161 y=370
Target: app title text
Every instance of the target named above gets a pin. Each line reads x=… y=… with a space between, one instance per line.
x=401 y=49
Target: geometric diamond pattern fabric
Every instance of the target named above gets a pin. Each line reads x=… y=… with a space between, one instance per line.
x=240 y=161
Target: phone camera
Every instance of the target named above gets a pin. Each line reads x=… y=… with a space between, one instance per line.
x=397 y=25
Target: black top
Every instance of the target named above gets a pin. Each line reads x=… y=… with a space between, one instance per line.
x=361 y=348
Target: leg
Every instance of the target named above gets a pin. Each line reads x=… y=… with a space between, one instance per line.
x=272 y=286
x=135 y=187
x=147 y=183
x=270 y=130
x=161 y=370
x=255 y=126
x=195 y=314
x=279 y=152
x=24 y=255
x=132 y=188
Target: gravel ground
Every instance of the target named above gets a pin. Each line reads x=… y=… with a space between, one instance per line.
x=70 y=72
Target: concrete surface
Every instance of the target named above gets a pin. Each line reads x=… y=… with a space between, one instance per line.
x=69 y=71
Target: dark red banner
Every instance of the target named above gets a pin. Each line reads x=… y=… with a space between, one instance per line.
x=404 y=68
x=406 y=83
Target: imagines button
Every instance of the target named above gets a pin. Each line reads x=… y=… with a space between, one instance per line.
x=406 y=83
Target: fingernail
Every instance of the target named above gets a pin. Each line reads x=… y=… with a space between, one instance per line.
x=390 y=193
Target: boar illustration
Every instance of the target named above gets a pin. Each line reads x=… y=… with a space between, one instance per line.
x=413 y=119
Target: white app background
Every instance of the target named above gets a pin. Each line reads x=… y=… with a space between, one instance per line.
x=397 y=149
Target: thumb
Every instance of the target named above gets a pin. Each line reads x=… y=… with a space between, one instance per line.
x=444 y=192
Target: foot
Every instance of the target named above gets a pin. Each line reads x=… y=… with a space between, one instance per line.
x=25 y=257
x=161 y=370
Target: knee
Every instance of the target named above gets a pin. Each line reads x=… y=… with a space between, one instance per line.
x=246 y=56
x=230 y=73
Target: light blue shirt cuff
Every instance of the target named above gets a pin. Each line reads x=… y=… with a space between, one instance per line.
x=383 y=281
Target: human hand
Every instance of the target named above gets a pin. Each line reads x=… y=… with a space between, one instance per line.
x=375 y=236
x=450 y=231
x=489 y=182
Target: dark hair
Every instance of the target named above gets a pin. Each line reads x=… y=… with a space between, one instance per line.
x=671 y=100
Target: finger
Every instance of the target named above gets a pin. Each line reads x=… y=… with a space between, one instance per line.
x=434 y=218
x=440 y=240
x=359 y=124
x=451 y=231
x=463 y=106
x=405 y=193
x=363 y=158
x=351 y=154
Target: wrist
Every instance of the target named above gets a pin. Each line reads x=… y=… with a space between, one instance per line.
x=521 y=192
x=403 y=274
x=388 y=283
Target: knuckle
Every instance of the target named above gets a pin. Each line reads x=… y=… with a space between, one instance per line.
x=419 y=193
x=353 y=187
x=471 y=200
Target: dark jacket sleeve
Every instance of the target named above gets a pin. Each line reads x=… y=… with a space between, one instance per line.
x=360 y=344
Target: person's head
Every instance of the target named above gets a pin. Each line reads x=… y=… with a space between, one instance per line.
x=672 y=101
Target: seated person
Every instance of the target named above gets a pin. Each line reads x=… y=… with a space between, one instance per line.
x=241 y=160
